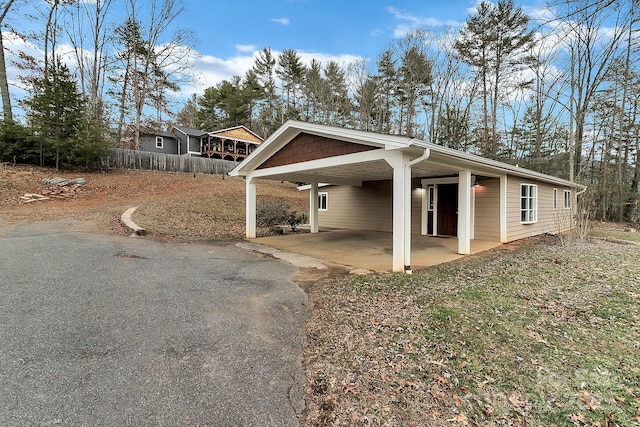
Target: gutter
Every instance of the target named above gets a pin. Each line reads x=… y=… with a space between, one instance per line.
x=407 y=209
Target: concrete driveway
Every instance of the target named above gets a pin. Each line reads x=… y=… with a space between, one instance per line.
x=370 y=250
x=113 y=331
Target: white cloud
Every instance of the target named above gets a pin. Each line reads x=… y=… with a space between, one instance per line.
x=245 y=47
x=283 y=21
x=212 y=70
x=410 y=23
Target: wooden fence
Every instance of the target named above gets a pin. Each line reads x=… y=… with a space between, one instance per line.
x=135 y=159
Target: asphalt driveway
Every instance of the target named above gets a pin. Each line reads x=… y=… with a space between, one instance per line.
x=114 y=331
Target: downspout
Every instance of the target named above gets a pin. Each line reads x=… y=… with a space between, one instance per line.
x=407 y=209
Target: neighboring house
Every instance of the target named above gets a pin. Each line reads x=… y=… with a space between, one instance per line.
x=407 y=186
x=159 y=142
x=233 y=144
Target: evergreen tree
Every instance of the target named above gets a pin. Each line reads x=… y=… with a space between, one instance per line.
x=495 y=42
x=57 y=113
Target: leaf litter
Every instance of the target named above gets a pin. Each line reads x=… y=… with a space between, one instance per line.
x=541 y=334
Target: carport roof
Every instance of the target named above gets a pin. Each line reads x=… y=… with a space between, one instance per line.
x=442 y=161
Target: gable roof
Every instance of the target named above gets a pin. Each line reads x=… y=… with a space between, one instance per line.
x=190 y=132
x=240 y=133
x=440 y=160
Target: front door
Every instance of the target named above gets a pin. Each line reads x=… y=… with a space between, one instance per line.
x=448 y=209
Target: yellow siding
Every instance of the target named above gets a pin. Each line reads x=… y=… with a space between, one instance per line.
x=487 y=210
x=549 y=220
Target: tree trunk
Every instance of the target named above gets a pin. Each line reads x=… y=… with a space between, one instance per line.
x=4 y=84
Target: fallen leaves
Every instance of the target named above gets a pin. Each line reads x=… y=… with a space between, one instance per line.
x=502 y=340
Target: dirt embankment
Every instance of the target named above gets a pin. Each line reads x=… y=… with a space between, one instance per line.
x=170 y=205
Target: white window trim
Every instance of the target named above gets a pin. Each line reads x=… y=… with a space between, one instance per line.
x=555 y=199
x=159 y=142
x=532 y=203
x=323 y=195
x=567 y=200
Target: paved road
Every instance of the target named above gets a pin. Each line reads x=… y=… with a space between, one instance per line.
x=115 y=331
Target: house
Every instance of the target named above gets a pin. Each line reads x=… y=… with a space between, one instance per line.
x=408 y=187
x=233 y=144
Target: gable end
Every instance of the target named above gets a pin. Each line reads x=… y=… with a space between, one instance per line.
x=306 y=147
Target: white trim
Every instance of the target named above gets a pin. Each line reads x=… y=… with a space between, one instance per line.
x=313 y=207
x=531 y=207
x=464 y=213
x=554 y=205
x=503 y=209
x=564 y=203
x=346 y=159
x=160 y=139
x=325 y=195
x=250 y=201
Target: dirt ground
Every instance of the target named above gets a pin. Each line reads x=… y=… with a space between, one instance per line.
x=172 y=206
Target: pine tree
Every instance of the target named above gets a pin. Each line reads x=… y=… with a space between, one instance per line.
x=58 y=115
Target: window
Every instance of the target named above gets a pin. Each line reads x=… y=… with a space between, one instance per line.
x=528 y=203
x=322 y=201
x=567 y=199
x=555 y=198
x=159 y=141
x=430 y=197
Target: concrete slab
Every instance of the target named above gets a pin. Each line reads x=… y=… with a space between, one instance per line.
x=370 y=250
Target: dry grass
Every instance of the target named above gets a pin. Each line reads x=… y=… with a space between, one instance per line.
x=540 y=335
x=175 y=206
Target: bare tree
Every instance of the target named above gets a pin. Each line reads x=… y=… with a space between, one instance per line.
x=155 y=61
x=4 y=83
x=89 y=20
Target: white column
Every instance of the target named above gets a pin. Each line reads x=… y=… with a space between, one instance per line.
x=313 y=207
x=464 y=212
x=503 y=209
x=407 y=219
x=400 y=194
x=434 y=216
x=250 y=195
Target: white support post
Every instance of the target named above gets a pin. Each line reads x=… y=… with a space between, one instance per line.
x=434 y=215
x=400 y=193
x=250 y=195
x=464 y=212
x=407 y=219
x=503 y=209
x=313 y=207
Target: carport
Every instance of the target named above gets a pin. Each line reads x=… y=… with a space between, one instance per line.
x=370 y=250
x=486 y=199
x=310 y=153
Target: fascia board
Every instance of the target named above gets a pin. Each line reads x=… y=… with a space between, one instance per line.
x=470 y=160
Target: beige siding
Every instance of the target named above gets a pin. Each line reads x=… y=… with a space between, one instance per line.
x=369 y=207
x=487 y=210
x=549 y=220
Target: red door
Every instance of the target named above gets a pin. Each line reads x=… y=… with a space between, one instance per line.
x=448 y=209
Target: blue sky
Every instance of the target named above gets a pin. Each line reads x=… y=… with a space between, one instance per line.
x=231 y=32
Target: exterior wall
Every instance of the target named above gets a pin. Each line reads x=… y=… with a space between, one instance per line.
x=148 y=143
x=549 y=220
x=369 y=207
x=487 y=210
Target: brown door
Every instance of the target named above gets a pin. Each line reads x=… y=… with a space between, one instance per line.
x=448 y=209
